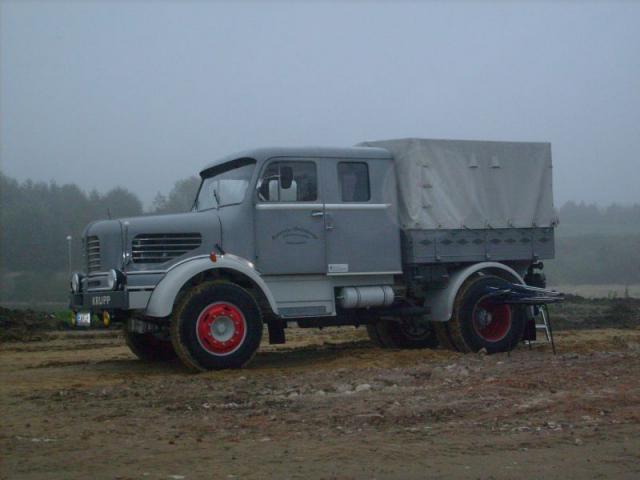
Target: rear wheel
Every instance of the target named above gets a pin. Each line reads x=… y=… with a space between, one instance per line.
x=149 y=346
x=216 y=325
x=478 y=323
x=374 y=336
x=408 y=333
x=443 y=335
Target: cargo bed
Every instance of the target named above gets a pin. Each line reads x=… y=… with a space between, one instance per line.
x=469 y=201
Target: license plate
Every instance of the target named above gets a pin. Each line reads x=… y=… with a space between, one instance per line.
x=83 y=319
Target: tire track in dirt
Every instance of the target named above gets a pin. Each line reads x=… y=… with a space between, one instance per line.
x=321 y=407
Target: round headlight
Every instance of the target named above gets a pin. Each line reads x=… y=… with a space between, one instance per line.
x=75 y=283
x=112 y=279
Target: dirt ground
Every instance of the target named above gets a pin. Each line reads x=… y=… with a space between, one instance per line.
x=325 y=405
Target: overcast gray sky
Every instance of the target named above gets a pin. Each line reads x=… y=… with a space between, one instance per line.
x=141 y=94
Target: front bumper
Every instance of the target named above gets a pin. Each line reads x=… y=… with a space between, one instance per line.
x=99 y=300
x=131 y=292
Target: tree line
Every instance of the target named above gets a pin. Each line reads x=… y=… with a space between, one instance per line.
x=37 y=217
x=582 y=213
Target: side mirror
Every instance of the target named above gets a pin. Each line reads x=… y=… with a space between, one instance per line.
x=286 y=177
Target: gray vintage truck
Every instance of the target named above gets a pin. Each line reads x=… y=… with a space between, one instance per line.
x=424 y=242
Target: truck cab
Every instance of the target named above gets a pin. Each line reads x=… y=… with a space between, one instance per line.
x=303 y=210
x=310 y=236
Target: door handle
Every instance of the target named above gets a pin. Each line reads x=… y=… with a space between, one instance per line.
x=328 y=222
x=317 y=213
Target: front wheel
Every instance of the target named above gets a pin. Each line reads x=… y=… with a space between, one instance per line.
x=478 y=323
x=149 y=347
x=216 y=325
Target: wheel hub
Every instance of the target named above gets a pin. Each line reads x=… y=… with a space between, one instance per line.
x=221 y=328
x=414 y=329
x=492 y=321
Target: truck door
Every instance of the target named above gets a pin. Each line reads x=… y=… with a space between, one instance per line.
x=290 y=233
x=362 y=231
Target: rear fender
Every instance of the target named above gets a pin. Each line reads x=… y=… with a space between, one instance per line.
x=441 y=301
x=164 y=295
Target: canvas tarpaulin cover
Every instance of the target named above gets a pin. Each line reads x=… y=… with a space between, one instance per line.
x=452 y=184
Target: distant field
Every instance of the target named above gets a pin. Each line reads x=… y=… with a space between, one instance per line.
x=600 y=291
x=578 y=230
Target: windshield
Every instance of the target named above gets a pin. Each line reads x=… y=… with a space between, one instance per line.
x=225 y=184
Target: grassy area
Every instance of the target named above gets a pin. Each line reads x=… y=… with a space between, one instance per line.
x=575 y=313
x=32 y=325
x=610 y=291
x=579 y=313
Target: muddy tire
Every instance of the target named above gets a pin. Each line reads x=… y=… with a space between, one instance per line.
x=216 y=325
x=374 y=336
x=148 y=347
x=405 y=334
x=443 y=334
x=477 y=323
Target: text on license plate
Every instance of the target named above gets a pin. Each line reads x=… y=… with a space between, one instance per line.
x=101 y=300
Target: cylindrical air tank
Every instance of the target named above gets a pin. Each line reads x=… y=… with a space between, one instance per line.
x=361 y=297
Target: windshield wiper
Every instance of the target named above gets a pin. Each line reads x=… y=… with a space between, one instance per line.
x=215 y=195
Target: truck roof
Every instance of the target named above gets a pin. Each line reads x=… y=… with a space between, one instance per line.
x=260 y=154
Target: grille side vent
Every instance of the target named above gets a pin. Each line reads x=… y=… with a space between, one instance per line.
x=162 y=247
x=92 y=245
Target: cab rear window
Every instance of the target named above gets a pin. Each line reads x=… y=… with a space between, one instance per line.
x=353 y=178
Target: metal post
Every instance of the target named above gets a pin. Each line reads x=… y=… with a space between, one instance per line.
x=69 y=238
x=549 y=330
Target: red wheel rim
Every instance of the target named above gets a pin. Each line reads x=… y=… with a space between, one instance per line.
x=221 y=328
x=492 y=322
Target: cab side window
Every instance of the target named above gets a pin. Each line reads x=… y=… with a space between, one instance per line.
x=289 y=182
x=353 y=178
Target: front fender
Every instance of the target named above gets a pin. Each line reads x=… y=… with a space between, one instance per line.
x=164 y=295
x=441 y=301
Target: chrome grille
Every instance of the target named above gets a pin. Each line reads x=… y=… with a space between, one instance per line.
x=92 y=245
x=162 y=247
